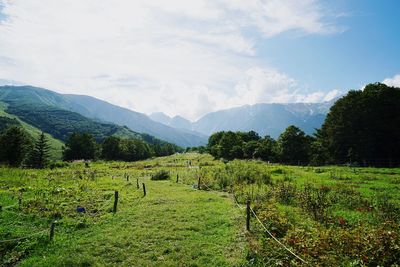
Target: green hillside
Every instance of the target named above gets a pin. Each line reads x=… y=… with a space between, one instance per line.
x=43 y=110
x=7 y=120
x=61 y=123
x=98 y=111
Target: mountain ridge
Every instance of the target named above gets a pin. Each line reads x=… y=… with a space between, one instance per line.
x=51 y=113
x=264 y=118
x=100 y=111
x=139 y=122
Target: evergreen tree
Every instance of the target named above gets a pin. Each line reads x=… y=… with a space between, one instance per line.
x=15 y=143
x=39 y=156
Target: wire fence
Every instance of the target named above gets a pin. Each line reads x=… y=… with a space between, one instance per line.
x=201 y=183
x=262 y=225
x=9 y=209
x=23 y=238
x=274 y=238
x=266 y=230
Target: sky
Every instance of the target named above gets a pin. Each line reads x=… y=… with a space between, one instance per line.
x=192 y=57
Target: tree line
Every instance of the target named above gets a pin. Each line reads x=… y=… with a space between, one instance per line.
x=361 y=129
x=292 y=147
x=19 y=148
x=84 y=146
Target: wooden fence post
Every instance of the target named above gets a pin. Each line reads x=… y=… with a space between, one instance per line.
x=115 y=201
x=177 y=177
x=198 y=183
x=137 y=183
x=20 y=201
x=144 y=189
x=248 y=215
x=52 y=226
x=127 y=177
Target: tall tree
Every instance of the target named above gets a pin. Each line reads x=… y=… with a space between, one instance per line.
x=249 y=136
x=364 y=127
x=294 y=146
x=80 y=146
x=231 y=146
x=111 y=149
x=319 y=152
x=249 y=149
x=133 y=150
x=15 y=143
x=39 y=155
x=266 y=149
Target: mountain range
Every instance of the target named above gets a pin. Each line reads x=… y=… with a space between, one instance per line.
x=61 y=114
x=265 y=119
x=37 y=106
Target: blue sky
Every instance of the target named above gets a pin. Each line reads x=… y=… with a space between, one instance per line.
x=366 y=51
x=189 y=58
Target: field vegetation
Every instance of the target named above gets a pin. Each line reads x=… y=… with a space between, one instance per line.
x=327 y=216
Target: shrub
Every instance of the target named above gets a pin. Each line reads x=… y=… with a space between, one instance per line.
x=316 y=201
x=222 y=178
x=275 y=220
x=248 y=173
x=359 y=246
x=285 y=192
x=58 y=164
x=160 y=175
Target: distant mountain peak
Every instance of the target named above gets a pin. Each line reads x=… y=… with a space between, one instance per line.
x=177 y=121
x=160 y=117
x=264 y=118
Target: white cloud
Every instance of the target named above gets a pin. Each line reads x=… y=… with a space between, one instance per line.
x=178 y=56
x=273 y=17
x=395 y=81
x=270 y=86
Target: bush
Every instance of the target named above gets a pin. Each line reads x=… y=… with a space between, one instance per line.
x=316 y=201
x=160 y=175
x=286 y=192
x=58 y=164
x=248 y=173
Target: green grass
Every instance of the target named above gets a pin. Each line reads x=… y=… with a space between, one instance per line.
x=178 y=225
x=174 y=225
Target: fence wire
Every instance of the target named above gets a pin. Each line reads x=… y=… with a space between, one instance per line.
x=268 y=232
x=22 y=238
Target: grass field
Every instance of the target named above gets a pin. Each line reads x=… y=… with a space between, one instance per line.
x=328 y=216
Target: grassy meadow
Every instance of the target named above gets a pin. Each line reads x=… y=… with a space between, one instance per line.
x=328 y=216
